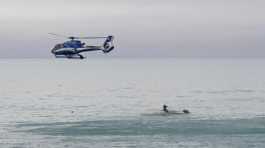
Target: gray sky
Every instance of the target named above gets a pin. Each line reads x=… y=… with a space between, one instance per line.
x=204 y=28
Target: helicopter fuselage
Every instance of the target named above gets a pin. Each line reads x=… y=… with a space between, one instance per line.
x=73 y=48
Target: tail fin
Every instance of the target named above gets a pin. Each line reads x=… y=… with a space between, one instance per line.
x=108 y=44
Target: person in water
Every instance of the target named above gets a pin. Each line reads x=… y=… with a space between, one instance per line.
x=165 y=108
x=185 y=111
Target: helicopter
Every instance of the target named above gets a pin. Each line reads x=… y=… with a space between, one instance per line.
x=74 y=47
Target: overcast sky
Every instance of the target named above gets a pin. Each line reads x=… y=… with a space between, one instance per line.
x=179 y=28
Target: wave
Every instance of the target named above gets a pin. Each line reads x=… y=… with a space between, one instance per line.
x=139 y=126
x=232 y=91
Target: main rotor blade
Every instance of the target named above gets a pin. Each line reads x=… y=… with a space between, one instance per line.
x=58 y=35
x=91 y=37
x=73 y=37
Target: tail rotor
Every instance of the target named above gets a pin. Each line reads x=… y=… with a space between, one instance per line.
x=108 y=44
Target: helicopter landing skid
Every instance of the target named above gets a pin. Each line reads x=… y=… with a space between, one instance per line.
x=75 y=56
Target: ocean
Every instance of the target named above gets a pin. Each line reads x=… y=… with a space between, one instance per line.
x=117 y=102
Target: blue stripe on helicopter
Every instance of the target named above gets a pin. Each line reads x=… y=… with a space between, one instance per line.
x=73 y=44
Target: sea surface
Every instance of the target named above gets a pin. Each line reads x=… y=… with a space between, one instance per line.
x=117 y=102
